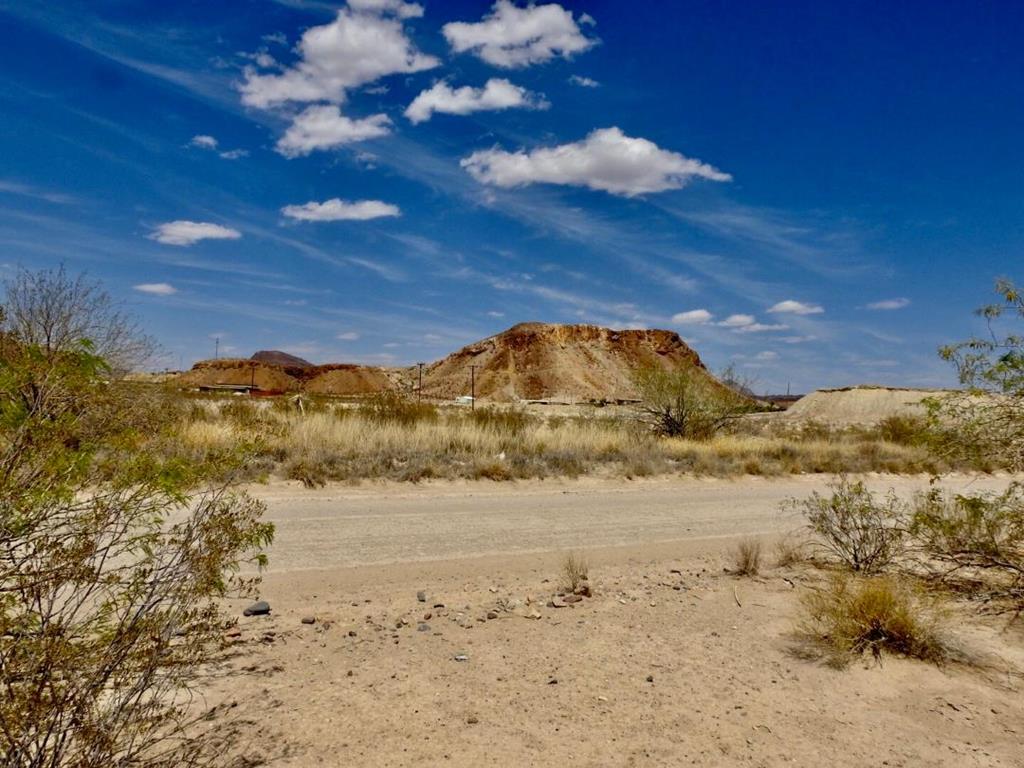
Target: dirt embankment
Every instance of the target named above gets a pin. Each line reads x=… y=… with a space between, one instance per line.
x=572 y=363
x=338 y=379
x=861 y=406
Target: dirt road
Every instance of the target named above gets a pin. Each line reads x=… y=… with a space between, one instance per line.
x=416 y=626
x=340 y=527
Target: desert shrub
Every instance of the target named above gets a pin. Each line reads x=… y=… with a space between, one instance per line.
x=981 y=532
x=114 y=561
x=492 y=470
x=855 y=614
x=575 y=571
x=241 y=412
x=391 y=407
x=986 y=423
x=789 y=550
x=686 y=403
x=862 y=531
x=312 y=471
x=510 y=421
x=746 y=558
x=904 y=429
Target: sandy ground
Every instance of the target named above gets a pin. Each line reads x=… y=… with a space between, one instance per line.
x=672 y=662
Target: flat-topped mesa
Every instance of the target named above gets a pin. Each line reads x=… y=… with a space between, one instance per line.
x=571 y=363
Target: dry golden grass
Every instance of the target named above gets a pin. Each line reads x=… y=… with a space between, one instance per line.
x=746 y=558
x=855 y=614
x=790 y=550
x=337 y=442
x=575 y=571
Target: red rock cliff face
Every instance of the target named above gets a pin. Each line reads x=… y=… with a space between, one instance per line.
x=533 y=361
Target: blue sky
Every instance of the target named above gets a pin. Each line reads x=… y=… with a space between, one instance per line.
x=818 y=193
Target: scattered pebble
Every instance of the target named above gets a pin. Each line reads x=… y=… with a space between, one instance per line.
x=260 y=608
x=309 y=619
x=421 y=596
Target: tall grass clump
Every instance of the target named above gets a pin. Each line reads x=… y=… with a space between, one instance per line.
x=391 y=407
x=853 y=615
x=575 y=571
x=746 y=558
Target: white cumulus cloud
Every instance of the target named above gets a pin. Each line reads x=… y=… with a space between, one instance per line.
x=791 y=307
x=737 y=321
x=157 y=289
x=583 y=82
x=366 y=41
x=890 y=304
x=340 y=210
x=348 y=336
x=324 y=127
x=203 y=142
x=606 y=159
x=510 y=36
x=496 y=94
x=692 y=317
x=182 y=232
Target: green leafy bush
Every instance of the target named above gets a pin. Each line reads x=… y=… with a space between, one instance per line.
x=865 y=533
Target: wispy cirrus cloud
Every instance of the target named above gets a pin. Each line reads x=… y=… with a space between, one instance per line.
x=27 y=190
x=889 y=304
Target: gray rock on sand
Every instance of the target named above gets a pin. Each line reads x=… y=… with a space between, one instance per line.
x=259 y=608
x=421 y=596
x=309 y=619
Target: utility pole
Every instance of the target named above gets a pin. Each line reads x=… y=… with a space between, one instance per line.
x=216 y=348
x=472 y=387
x=419 y=387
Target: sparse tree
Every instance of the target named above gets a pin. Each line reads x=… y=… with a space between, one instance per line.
x=687 y=402
x=55 y=312
x=985 y=423
x=859 y=530
x=115 y=553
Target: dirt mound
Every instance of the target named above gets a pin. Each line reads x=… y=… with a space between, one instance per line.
x=571 y=363
x=349 y=380
x=276 y=357
x=340 y=379
x=239 y=372
x=863 y=405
